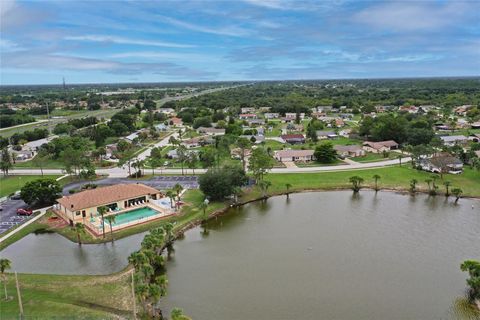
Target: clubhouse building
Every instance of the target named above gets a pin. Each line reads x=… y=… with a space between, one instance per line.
x=131 y=204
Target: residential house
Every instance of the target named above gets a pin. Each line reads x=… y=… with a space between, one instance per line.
x=293 y=115
x=132 y=136
x=454 y=140
x=245 y=116
x=167 y=111
x=442 y=163
x=236 y=153
x=293 y=138
x=349 y=151
x=111 y=150
x=326 y=135
x=35 y=145
x=175 y=121
x=248 y=110
x=256 y=122
x=211 y=131
x=294 y=155
x=379 y=147
x=161 y=127
x=271 y=115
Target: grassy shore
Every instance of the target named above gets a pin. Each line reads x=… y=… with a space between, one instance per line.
x=72 y=297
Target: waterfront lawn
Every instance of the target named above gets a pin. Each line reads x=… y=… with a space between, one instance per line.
x=76 y=297
x=393 y=177
x=11 y=184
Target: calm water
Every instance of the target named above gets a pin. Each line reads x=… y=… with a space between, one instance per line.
x=328 y=256
x=319 y=256
x=53 y=254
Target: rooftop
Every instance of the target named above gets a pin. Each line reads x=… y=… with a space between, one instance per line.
x=105 y=195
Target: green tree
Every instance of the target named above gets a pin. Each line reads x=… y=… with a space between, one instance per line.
x=473 y=269
x=325 y=153
x=6 y=162
x=5 y=264
x=41 y=192
x=219 y=183
x=243 y=144
x=376 y=177
x=177 y=314
x=447 y=185
x=171 y=195
x=457 y=192
x=413 y=186
x=178 y=189
x=111 y=220
x=79 y=229
x=260 y=163
x=356 y=182
x=264 y=185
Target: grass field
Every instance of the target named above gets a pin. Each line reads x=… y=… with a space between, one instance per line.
x=72 y=297
x=391 y=178
x=10 y=184
x=374 y=157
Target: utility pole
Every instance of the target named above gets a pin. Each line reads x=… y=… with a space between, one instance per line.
x=20 y=305
x=134 y=298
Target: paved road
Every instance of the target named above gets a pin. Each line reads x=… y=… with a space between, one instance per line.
x=119 y=172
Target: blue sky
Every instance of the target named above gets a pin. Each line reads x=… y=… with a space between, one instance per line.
x=156 y=41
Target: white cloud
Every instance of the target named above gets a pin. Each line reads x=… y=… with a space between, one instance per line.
x=163 y=55
x=122 y=40
x=411 y=16
x=225 y=31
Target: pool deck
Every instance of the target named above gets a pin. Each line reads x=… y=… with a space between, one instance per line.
x=95 y=227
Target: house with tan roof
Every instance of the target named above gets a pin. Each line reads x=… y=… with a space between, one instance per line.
x=83 y=207
x=380 y=146
x=294 y=155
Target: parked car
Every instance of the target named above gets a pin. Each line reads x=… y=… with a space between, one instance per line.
x=15 y=196
x=24 y=211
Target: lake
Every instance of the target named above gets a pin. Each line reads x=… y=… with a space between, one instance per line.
x=328 y=255
x=322 y=255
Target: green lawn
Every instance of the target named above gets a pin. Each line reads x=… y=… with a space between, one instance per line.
x=10 y=184
x=391 y=177
x=48 y=163
x=75 y=297
x=318 y=164
x=373 y=157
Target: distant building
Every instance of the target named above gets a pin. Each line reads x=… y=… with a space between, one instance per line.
x=293 y=138
x=271 y=115
x=211 y=131
x=454 y=140
x=442 y=163
x=326 y=135
x=294 y=155
x=379 y=147
x=349 y=151
x=248 y=110
x=245 y=116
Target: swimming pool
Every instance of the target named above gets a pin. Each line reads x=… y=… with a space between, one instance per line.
x=133 y=215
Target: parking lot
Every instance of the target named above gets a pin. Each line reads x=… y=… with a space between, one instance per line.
x=9 y=217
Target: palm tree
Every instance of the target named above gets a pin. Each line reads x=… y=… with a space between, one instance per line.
x=376 y=177
x=171 y=195
x=288 y=186
x=264 y=185
x=457 y=192
x=399 y=157
x=447 y=186
x=137 y=258
x=429 y=181
x=356 y=183
x=102 y=210
x=111 y=220
x=178 y=189
x=413 y=185
x=5 y=264
x=79 y=229
x=203 y=206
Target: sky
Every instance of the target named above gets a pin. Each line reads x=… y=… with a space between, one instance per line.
x=172 y=41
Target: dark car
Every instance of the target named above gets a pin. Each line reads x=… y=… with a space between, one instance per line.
x=24 y=212
x=15 y=196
